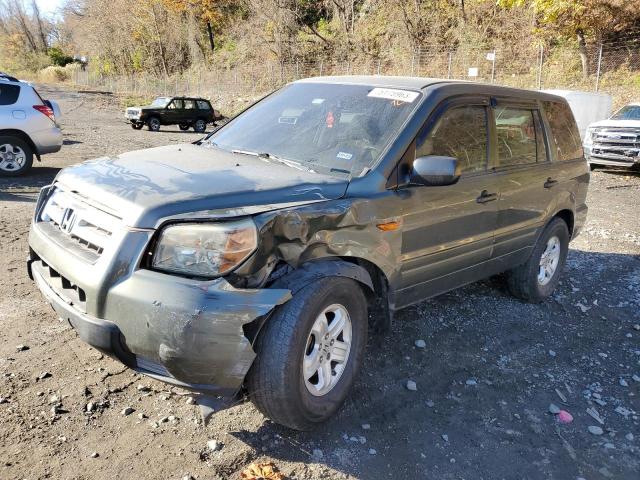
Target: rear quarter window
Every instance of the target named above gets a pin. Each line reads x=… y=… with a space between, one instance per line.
x=9 y=94
x=202 y=105
x=564 y=134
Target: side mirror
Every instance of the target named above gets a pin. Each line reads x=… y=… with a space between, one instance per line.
x=434 y=171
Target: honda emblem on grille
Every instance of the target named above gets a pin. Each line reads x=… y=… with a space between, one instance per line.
x=68 y=220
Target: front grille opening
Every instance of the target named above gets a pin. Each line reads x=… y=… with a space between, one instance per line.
x=70 y=292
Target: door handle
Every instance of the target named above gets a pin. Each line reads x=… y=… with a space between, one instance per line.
x=485 y=197
x=550 y=182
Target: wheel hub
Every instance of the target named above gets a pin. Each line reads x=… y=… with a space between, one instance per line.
x=327 y=351
x=549 y=261
x=12 y=157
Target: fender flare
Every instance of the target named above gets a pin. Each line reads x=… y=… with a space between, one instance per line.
x=313 y=270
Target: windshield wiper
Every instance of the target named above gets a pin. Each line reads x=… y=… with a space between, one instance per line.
x=269 y=156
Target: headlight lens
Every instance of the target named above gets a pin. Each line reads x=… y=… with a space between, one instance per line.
x=588 y=138
x=205 y=249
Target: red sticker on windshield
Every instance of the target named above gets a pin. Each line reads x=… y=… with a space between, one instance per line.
x=330 y=120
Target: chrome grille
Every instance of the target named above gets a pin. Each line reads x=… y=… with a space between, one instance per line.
x=618 y=136
x=76 y=225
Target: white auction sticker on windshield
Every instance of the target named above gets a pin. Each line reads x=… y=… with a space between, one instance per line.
x=406 y=96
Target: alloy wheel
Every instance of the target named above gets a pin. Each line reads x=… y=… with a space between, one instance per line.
x=549 y=260
x=12 y=157
x=327 y=350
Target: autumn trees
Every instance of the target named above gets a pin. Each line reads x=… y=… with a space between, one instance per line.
x=164 y=37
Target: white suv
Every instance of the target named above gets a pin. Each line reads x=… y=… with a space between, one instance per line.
x=615 y=141
x=28 y=126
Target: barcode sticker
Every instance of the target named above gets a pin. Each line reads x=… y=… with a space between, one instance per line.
x=406 y=96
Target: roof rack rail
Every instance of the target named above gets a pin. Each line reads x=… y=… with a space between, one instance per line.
x=6 y=76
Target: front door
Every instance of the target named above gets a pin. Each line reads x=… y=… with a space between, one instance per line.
x=448 y=230
x=174 y=111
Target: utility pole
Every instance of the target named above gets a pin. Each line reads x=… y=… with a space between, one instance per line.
x=599 y=65
x=493 y=66
x=540 y=60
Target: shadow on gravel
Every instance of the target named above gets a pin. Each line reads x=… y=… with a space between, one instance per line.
x=491 y=367
x=620 y=171
x=26 y=188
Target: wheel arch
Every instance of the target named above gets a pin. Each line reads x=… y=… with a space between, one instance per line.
x=371 y=277
x=569 y=218
x=313 y=270
x=23 y=136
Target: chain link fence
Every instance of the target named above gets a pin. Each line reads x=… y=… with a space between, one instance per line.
x=612 y=68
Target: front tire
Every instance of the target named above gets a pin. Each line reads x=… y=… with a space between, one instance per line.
x=536 y=279
x=16 y=156
x=309 y=352
x=184 y=127
x=153 y=124
x=137 y=126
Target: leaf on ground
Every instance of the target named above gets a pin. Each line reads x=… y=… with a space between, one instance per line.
x=262 y=471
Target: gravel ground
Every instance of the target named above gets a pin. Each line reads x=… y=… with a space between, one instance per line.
x=490 y=370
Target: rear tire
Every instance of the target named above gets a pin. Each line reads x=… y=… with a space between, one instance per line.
x=292 y=343
x=184 y=127
x=153 y=124
x=536 y=279
x=16 y=156
x=200 y=126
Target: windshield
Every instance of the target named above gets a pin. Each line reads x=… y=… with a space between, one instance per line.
x=160 y=102
x=630 y=112
x=330 y=128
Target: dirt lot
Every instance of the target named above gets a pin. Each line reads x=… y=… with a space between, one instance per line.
x=491 y=367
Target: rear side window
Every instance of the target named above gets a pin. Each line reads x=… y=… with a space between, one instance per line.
x=516 y=135
x=564 y=135
x=9 y=93
x=189 y=104
x=461 y=132
x=202 y=105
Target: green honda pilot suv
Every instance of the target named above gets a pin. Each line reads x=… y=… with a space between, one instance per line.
x=248 y=264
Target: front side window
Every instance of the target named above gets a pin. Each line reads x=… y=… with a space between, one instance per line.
x=461 y=132
x=630 y=112
x=177 y=104
x=565 y=137
x=516 y=136
x=339 y=129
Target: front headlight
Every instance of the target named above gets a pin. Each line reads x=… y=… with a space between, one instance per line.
x=588 y=137
x=205 y=249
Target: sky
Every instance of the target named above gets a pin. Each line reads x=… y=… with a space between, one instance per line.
x=49 y=6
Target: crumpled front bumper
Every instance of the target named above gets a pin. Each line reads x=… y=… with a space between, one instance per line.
x=181 y=331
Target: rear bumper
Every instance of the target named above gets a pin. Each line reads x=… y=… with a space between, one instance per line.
x=48 y=140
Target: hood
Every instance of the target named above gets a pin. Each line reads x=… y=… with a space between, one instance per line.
x=145 y=186
x=616 y=123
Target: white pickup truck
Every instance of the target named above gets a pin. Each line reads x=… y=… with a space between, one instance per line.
x=615 y=141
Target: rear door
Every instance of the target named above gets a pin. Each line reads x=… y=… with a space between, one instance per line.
x=190 y=112
x=449 y=229
x=527 y=176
